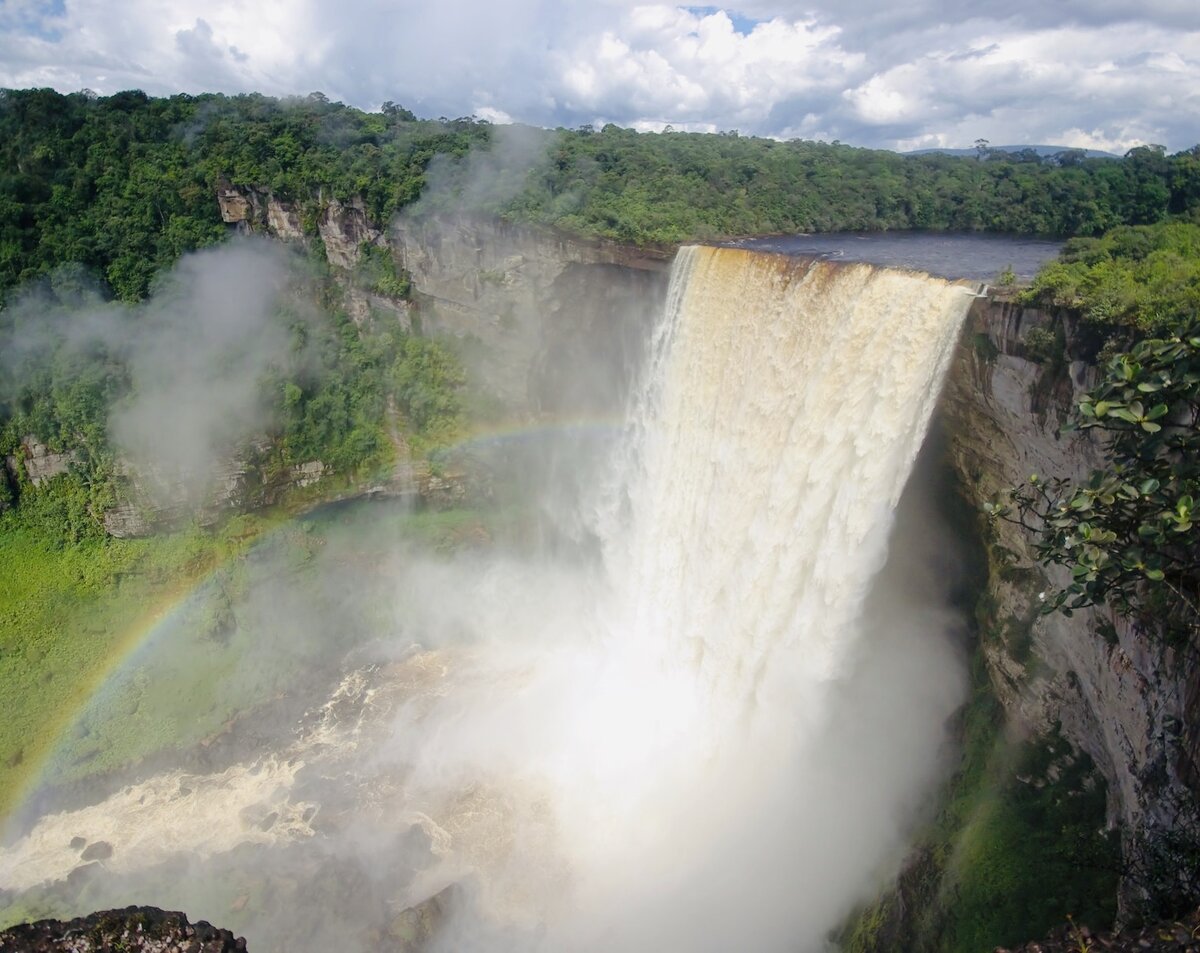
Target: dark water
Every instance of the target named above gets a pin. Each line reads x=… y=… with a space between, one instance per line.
x=950 y=255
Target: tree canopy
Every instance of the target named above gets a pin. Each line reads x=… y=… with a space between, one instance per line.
x=124 y=184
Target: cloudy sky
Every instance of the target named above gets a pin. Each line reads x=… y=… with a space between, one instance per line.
x=1106 y=74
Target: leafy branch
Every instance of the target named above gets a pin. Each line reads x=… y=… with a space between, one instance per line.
x=1128 y=535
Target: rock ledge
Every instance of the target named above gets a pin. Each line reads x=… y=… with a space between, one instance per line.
x=133 y=929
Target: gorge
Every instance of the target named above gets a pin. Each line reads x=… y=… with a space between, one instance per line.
x=646 y=699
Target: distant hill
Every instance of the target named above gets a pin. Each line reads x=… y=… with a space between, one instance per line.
x=1042 y=151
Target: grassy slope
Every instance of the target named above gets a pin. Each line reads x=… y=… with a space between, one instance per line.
x=69 y=615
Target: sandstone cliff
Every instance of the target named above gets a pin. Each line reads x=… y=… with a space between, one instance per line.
x=524 y=303
x=1113 y=692
x=550 y=323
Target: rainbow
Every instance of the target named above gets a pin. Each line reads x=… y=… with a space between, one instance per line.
x=158 y=617
x=507 y=434
x=167 y=606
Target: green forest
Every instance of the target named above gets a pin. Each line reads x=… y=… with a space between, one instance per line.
x=124 y=184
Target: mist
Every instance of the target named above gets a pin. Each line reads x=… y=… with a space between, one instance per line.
x=663 y=740
x=485 y=179
x=204 y=341
x=193 y=358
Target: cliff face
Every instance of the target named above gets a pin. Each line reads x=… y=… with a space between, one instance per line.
x=1117 y=696
x=342 y=227
x=38 y=461
x=149 y=501
x=551 y=323
x=525 y=304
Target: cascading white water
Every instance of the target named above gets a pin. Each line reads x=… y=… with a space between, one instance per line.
x=616 y=762
x=786 y=404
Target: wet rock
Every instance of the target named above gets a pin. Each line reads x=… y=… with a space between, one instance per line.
x=39 y=461
x=132 y=930
x=412 y=930
x=1116 y=697
x=83 y=873
x=78 y=843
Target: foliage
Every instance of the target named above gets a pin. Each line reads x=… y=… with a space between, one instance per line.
x=429 y=382
x=1033 y=850
x=69 y=613
x=1144 y=276
x=1128 y=534
x=64 y=611
x=124 y=184
x=329 y=398
x=677 y=186
x=376 y=271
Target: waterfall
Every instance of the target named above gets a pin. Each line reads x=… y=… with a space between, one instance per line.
x=785 y=406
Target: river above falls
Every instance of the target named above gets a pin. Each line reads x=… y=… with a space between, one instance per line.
x=947 y=255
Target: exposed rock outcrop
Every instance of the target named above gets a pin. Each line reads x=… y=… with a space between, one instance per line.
x=132 y=930
x=259 y=210
x=527 y=304
x=150 y=500
x=342 y=226
x=38 y=461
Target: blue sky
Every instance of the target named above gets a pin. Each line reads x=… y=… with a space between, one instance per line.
x=1106 y=74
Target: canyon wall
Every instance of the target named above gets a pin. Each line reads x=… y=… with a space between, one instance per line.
x=522 y=303
x=1111 y=690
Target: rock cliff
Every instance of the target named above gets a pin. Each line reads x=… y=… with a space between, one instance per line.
x=38 y=462
x=550 y=323
x=524 y=303
x=1113 y=692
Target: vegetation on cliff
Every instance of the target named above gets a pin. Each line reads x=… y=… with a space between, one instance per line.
x=1128 y=534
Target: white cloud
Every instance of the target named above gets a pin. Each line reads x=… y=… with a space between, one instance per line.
x=871 y=73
